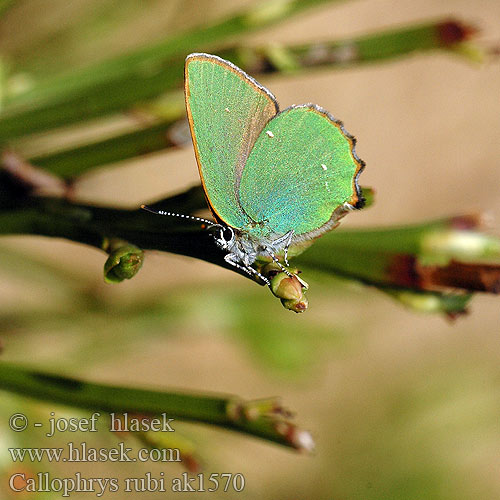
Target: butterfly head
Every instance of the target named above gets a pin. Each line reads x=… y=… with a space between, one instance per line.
x=225 y=237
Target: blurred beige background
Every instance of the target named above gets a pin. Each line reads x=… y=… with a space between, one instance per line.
x=401 y=405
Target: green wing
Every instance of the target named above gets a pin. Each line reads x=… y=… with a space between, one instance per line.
x=227 y=109
x=300 y=173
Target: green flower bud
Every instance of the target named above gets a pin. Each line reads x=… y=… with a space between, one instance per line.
x=286 y=287
x=295 y=305
x=123 y=263
x=290 y=289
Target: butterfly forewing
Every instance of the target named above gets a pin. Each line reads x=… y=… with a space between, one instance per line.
x=227 y=110
x=300 y=173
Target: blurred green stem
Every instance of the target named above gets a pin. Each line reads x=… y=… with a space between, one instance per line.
x=402 y=256
x=215 y=410
x=119 y=84
x=432 y=266
x=71 y=163
x=95 y=226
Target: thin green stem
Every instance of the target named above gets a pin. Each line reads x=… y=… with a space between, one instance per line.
x=431 y=266
x=67 y=391
x=72 y=162
x=95 y=226
x=115 y=84
x=127 y=80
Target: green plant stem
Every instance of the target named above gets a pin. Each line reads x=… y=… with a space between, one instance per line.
x=126 y=80
x=381 y=45
x=115 y=84
x=423 y=257
x=368 y=254
x=449 y=254
x=106 y=398
x=95 y=226
x=431 y=266
x=72 y=162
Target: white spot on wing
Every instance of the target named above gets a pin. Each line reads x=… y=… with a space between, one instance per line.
x=269 y=133
x=324 y=167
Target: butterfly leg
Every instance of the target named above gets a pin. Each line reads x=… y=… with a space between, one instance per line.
x=282 y=242
x=230 y=259
x=261 y=276
x=285 y=270
x=280 y=265
x=287 y=245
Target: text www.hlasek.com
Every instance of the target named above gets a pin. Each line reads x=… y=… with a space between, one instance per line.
x=81 y=453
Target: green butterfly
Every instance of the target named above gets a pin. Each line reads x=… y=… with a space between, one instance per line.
x=272 y=179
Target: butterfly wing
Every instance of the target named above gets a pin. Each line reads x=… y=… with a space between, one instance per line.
x=300 y=173
x=227 y=109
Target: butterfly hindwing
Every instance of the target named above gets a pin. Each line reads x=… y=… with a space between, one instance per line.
x=227 y=110
x=300 y=173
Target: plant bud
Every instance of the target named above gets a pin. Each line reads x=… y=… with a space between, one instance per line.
x=123 y=263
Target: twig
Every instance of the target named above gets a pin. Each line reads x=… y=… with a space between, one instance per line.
x=116 y=84
x=120 y=83
x=267 y=421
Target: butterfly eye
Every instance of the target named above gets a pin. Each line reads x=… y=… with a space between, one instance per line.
x=227 y=234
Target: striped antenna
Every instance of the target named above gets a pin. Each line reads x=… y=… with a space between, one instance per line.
x=210 y=223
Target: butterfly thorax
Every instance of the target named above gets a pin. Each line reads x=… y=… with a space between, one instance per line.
x=245 y=246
